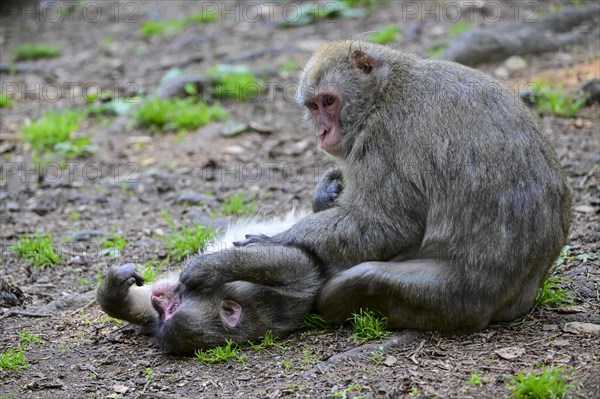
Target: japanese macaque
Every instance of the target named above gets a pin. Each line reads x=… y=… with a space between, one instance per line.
x=452 y=205
x=245 y=292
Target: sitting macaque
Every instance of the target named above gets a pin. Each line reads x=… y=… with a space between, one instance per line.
x=245 y=293
x=449 y=206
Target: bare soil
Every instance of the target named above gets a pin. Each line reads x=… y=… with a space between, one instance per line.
x=134 y=175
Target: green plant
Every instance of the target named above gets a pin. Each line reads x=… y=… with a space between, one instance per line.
x=316 y=321
x=349 y=392
x=176 y=113
x=238 y=205
x=474 y=378
x=6 y=101
x=308 y=359
x=378 y=356
x=100 y=110
x=286 y=363
x=13 y=359
x=368 y=327
x=386 y=34
x=91 y=97
x=363 y=3
x=53 y=132
x=27 y=337
x=94 y=95
x=113 y=245
x=108 y=39
x=201 y=18
x=76 y=147
x=98 y=278
x=268 y=341
x=149 y=373
x=154 y=27
x=74 y=215
x=82 y=280
x=436 y=49
x=550 y=294
x=549 y=383
x=459 y=27
x=150 y=268
x=189 y=240
x=289 y=65
x=221 y=353
x=564 y=256
x=552 y=99
x=309 y=13
x=37 y=249
x=235 y=81
x=33 y=51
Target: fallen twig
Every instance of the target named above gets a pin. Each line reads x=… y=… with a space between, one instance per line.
x=401 y=338
x=24 y=313
x=82 y=307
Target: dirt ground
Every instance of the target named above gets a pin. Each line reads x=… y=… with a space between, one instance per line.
x=133 y=176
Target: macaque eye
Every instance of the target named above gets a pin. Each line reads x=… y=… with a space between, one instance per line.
x=328 y=100
x=312 y=106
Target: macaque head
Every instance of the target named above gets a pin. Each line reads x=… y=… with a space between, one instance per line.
x=197 y=319
x=341 y=87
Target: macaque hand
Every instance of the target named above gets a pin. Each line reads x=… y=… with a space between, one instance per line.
x=252 y=239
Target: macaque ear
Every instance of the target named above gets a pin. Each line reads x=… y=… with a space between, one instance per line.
x=230 y=313
x=365 y=62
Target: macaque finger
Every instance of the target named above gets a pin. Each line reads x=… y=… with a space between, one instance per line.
x=252 y=239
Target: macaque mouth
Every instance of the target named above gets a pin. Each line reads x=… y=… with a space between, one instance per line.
x=165 y=301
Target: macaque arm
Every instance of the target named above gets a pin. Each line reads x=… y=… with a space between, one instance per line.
x=265 y=264
x=120 y=298
x=343 y=238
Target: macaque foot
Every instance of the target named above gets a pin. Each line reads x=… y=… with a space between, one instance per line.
x=119 y=298
x=121 y=277
x=252 y=239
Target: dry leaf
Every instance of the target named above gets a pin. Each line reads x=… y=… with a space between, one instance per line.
x=390 y=361
x=582 y=328
x=511 y=352
x=120 y=389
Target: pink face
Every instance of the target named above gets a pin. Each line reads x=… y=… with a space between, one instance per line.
x=167 y=301
x=164 y=299
x=326 y=110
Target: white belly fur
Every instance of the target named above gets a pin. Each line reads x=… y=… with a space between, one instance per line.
x=237 y=230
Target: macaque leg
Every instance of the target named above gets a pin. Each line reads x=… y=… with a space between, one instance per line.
x=423 y=294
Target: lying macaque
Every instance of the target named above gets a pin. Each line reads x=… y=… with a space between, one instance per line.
x=245 y=292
